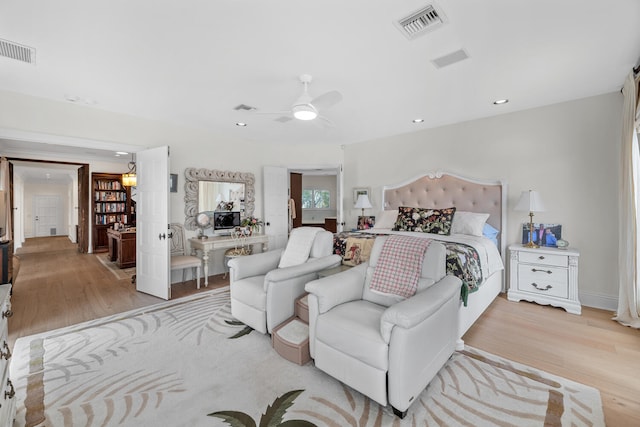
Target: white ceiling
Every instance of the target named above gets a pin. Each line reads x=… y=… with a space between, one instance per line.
x=191 y=62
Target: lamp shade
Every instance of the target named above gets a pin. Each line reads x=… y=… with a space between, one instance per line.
x=530 y=201
x=363 y=202
x=129 y=179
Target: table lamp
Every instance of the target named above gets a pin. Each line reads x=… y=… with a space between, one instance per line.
x=363 y=203
x=532 y=202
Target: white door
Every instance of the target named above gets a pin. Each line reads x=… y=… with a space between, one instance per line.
x=152 y=222
x=45 y=215
x=276 y=205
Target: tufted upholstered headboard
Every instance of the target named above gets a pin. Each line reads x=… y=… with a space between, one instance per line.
x=443 y=190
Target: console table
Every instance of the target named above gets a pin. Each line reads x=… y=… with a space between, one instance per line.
x=223 y=242
x=122 y=247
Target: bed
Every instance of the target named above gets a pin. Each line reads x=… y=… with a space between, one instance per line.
x=442 y=190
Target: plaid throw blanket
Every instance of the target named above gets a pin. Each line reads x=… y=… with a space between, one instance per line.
x=399 y=265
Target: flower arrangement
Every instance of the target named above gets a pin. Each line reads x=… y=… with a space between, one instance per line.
x=253 y=223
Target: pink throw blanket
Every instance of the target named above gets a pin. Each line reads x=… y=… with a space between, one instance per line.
x=399 y=265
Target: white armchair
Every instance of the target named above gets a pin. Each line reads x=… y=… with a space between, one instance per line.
x=384 y=346
x=262 y=294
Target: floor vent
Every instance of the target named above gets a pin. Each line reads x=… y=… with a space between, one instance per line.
x=450 y=58
x=17 y=51
x=421 y=21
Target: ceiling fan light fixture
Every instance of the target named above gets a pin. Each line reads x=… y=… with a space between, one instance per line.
x=304 y=112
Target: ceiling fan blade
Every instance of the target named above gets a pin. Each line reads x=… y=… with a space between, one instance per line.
x=283 y=119
x=279 y=113
x=325 y=122
x=327 y=100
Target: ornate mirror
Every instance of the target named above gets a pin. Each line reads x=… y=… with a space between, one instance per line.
x=210 y=190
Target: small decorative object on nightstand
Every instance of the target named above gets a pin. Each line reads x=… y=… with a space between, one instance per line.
x=546 y=276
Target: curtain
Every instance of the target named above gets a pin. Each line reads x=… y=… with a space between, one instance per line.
x=5 y=191
x=627 y=313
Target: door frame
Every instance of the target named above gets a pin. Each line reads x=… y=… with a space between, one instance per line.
x=339 y=174
x=83 y=198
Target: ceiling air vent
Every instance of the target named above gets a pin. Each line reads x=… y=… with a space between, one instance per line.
x=17 y=51
x=450 y=58
x=421 y=21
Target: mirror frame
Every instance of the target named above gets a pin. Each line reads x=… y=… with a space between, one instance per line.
x=193 y=177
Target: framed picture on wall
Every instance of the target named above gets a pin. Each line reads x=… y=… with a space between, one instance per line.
x=359 y=191
x=543 y=234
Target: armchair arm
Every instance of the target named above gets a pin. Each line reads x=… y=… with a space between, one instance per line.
x=312 y=266
x=338 y=288
x=254 y=265
x=412 y=311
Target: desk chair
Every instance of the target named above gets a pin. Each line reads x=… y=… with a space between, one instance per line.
x=179 y=259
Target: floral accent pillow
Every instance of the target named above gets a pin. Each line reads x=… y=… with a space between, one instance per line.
x=435 y=221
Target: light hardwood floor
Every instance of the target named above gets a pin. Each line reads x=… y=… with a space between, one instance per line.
x=57 y=287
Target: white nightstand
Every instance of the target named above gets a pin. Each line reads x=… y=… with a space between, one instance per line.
x=545 y=275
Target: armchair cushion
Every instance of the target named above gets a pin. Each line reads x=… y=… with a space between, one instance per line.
x=410 y=312
x=250 y=292
x=299 y=246
x=354 y=328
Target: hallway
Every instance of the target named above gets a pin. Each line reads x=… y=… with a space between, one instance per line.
x=57 y=286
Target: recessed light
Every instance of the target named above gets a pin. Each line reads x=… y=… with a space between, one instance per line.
x=418 y=120
x=500 y=101
x=241 y=124
x=121 y=153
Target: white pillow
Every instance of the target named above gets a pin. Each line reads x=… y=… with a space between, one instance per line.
x=387 y=219
x=468 y=223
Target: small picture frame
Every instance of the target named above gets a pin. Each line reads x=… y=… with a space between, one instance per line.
x=173 y=182
x=366 y=222
x=543 y=234
x=359 y=191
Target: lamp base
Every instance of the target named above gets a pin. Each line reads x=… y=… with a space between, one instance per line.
x=530 y=245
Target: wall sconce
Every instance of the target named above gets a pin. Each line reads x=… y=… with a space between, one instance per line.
x=129 y=179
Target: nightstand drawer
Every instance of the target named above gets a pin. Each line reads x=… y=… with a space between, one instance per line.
x=546 y=259
x=544 y=280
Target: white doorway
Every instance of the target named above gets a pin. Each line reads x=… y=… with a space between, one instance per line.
x=46 y=215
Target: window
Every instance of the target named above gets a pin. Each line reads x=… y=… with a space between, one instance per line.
x=316 y=199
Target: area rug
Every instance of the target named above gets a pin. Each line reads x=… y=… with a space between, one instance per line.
x=189 y=363
x=119 y=273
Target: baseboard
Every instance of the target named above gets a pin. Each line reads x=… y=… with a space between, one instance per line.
x=601 y=301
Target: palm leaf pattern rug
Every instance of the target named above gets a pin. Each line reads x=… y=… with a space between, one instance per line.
x=189 y=363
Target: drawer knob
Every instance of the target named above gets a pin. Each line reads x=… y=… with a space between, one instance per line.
x=7 y=313
x=9 y=394
x=535 y=270
x=541 y=288
x=541 y=257
x=5 y=355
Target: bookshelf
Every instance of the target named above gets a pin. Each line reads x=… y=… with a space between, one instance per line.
x=111 y=203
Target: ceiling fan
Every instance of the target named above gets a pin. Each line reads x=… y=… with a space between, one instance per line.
x=306 y=108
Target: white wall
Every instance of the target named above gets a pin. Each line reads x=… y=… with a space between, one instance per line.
x=569 y=152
